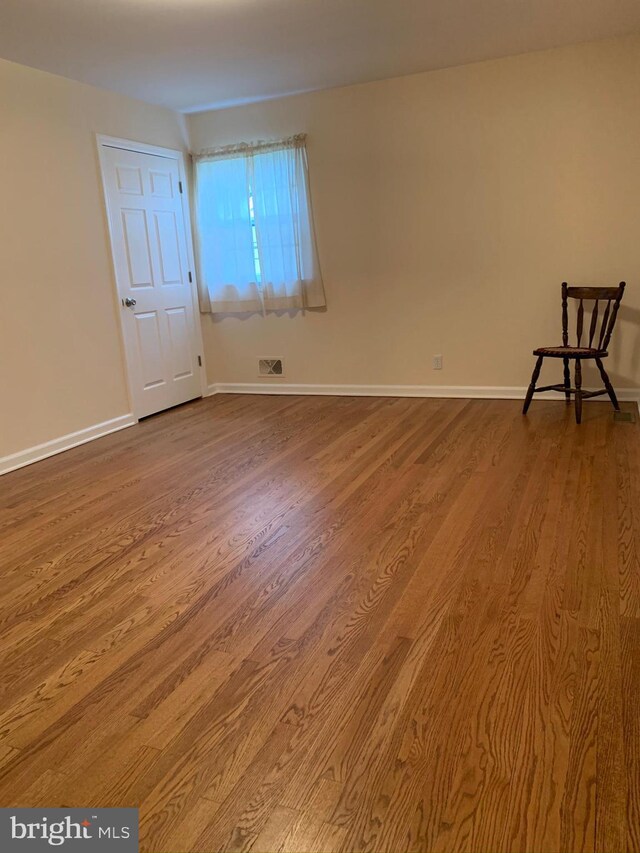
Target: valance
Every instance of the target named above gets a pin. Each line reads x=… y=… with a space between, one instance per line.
x=243 y=149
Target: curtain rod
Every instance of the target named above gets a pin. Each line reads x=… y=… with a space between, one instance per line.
x=242 y=148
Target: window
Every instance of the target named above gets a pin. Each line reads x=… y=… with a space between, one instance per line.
x=255 y=229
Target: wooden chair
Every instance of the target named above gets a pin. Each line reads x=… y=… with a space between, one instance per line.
x=601 y=338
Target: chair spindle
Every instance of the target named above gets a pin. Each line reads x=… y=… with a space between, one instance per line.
x=580 y=320
x=603 y=329
x=565 y=315
x=612 y=321
x=594 y=320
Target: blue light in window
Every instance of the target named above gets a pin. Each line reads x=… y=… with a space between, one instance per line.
x=254 y=237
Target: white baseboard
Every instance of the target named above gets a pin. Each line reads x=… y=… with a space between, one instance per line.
x=471 y=392
x=65 y=442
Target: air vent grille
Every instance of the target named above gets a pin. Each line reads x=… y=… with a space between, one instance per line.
x=624 y=417
x=270 y=367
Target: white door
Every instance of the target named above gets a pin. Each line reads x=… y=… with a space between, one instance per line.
x=148 y=238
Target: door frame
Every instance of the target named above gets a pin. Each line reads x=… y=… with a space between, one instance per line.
x=102 y=142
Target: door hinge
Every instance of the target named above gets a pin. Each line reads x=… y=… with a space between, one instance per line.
x=190 y=276
x=199 y=361
x=180 y=186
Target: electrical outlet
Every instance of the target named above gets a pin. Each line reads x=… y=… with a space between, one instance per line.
x=437 y=362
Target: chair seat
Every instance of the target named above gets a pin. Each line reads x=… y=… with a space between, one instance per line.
x=571 y=352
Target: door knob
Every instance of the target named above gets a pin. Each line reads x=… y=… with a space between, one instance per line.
x=129 y=302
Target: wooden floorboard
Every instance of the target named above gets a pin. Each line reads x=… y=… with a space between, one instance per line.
x=331 y=625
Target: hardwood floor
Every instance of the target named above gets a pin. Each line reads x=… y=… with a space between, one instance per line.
x=331 y=624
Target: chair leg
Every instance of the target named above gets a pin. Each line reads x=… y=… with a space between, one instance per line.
x=567 y=380
x=578 y=391
x=532 y=385
x=608 y=385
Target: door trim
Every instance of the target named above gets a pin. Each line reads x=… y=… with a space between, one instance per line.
x=103 y=142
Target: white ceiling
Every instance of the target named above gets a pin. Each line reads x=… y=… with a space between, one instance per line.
x=196 y=54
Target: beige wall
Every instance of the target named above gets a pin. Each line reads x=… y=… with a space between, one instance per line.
x=449 y=207
x=61 y=367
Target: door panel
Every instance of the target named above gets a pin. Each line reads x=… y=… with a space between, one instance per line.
x=161 y=184
x=167 y=233
x=149 y=349
x=129 y=180
x=181 y=359
x=136 y=238
x=150 y=256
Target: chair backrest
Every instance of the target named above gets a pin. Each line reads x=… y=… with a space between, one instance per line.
x=597 y=338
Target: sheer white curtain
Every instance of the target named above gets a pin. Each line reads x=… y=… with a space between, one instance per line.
x=227 y=277
x=255 y=229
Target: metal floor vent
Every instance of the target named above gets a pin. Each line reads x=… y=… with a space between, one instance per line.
x=624 y=417
x=270 y=367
